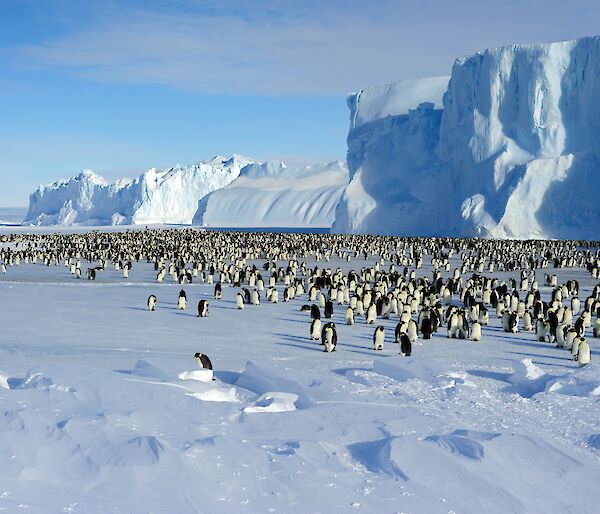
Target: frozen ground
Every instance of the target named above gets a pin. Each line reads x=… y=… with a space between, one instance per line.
x=94 y=416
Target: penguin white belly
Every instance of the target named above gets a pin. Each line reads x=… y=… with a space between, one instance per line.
x=584 y=356
x=315 y=330
x=349 y=316
x=239 y=301
x=379 y=338
x=476 y=332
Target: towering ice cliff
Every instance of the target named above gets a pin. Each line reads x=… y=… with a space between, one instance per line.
x=272 y=195
x=512 y=149
x=166 y=196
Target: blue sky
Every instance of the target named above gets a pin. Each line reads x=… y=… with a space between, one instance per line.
x=119 y=87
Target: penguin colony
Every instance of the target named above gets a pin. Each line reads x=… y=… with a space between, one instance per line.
x=458 y=306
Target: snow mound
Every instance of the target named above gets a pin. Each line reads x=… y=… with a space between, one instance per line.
x=512 y=149
x=273 y=402
x=273 y=195
x=202 y=375
x=258 y=381
x=169 y=195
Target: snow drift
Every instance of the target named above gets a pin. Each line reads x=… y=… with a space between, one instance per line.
x=272 y=195
x=510 y=148
x=166 y=196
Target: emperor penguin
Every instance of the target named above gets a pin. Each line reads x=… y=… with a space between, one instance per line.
x=360 y=308
x=378 y=338
x=152 y=303
x=575 y=305
x=329 y=309
x=575 y=350
x=570 y=339
x=371 y=314
x=484 y=316
x=513 y=323
x=203 y=309
x=405 y=345
x=239 y=300
x=476 y=331
x=506 y=320
x=426 y=328
x=596 y=327
x=527 y=323
x=329 y=337
x=255 y=297
x=203 y=362
x=583 y=352
x=349 y=316
x=315 y=313
x=411 y=331
x=453 y=325
x=275 y=296
x=182 y=300
x=315 y=329
x=322 y=300
x=218 y=292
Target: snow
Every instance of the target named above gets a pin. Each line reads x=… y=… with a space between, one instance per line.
x=511 y=151
x=102 y=407
x=273 y=195
x=168 y=196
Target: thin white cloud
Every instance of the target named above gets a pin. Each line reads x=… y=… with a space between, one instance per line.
x=295 y=48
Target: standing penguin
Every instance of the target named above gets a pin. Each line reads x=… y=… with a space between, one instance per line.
x=315 y=329
x=411 y=331
x=378 y=338
x=328 y=309
x=426 y=328
x=349 y=316
x=218 y=292
x=315 y=313
x=596 y=327
x=329 y=337
x=513 y=322
x=583 y=352
x=371 y=314
x=254 y=297
x=203 y=309
x=239 y=300
x=203 y=361
x=405 y=345
x=275 y=296
x=152 y=303
x=476 y=331
x=527 y=324
x=182 y=300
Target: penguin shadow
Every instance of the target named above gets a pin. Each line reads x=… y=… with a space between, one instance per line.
x=227 y=377
x=304 y=322
x=532 y=356
x=299 y=342
x=370 y=352
x=314 y=347
x=217 y=306
x=184 y=313
x=137 y=309
x=493 y=375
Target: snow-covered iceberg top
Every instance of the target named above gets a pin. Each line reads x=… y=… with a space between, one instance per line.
x=273 y=195
x=169 y=195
